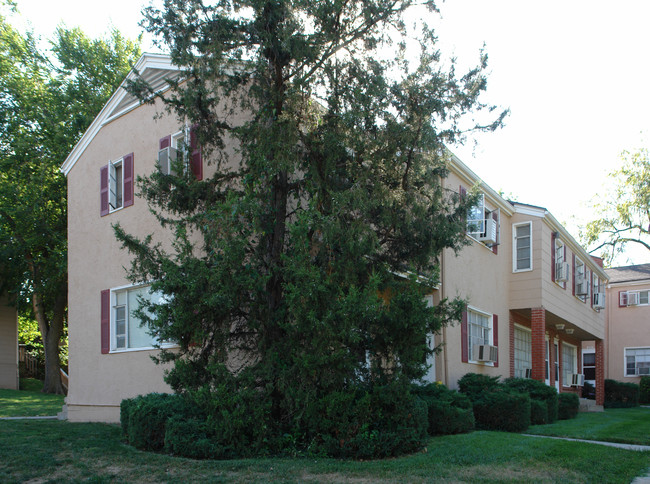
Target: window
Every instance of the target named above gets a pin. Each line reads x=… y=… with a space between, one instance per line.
x=569 y=363
x=634 y=298
x=182 y=145
x=637 y=361
x=116 y=185
x=126 y=329
x=522 y=247
x=523 y=351
x=476 y=218
x=478 y=329
x=580 y=280
x=560 y=267
x=589 y=365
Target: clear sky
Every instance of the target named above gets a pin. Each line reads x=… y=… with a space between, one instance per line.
x=575 y=75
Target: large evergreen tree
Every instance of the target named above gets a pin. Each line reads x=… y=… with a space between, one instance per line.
x=46 y=103
x=299 y=266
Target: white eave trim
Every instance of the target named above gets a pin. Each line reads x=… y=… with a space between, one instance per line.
x=147 y=61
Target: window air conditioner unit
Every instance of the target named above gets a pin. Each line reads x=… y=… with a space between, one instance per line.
x=528 y=373
x=599 y=300
x=166 y=158
x=562 y=271
x=643 y=370
x=485 y=353
x=577 y=380
x=632 y=298
x=490 y=235
x=582 y=288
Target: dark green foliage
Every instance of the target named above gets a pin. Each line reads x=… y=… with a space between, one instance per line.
x=285 y=255
x=588 y=391
x=621 y=395
x=538 y=391
x=502 y=409
x=191 y=438
x=474 y=385
x=144 y=418
x=568 y=407
x=449 y=412
x=538 y=412
x=644 y=390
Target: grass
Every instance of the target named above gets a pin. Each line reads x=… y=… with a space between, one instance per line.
x=622 y=425
x=54 y=451
x=29 y=401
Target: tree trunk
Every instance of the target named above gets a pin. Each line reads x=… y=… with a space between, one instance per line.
x=51 y=332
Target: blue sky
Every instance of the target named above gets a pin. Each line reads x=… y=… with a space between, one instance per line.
x=575 y=76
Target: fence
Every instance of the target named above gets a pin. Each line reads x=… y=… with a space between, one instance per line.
x=32 y=368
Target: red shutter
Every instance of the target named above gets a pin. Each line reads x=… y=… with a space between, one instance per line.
x=495 y=336
x=103 y=191
x=165 y=142
x=464 y=353
x=622 y=299
x=105 y=320
x=495 y=246
x=553 y=256
x=196 y=161
x=128 y=179
x=573 y=274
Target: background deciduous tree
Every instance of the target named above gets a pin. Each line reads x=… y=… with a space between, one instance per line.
x=623 y=214
x=292 y=288
x=45 y=106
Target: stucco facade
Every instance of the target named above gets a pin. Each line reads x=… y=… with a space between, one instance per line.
x=515 y=304
x=8 y=346
x=628 y=323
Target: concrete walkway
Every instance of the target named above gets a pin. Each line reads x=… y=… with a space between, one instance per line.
x=49 y=417
x=639 y=448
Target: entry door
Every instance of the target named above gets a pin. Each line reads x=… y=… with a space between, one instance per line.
x=547 y=375
x=557 y=365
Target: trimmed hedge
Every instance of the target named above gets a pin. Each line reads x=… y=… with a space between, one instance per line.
x=449 y=412
x=502 y=409
x=538 y=391
x=644 y=390
x=538 y=412
x=474 y=385
x=621 y=395
x=568 y=407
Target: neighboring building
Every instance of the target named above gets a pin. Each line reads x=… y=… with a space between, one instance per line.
x=534 y=294
x=628 y=323
x=8 y=346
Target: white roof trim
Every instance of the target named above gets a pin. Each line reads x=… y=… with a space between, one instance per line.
x=114 y=107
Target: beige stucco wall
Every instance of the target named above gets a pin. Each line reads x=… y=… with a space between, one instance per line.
x=479 y=276
x=628 y=327
x=8 y=346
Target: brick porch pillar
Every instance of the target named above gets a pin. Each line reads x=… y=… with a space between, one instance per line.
x=600 y=372
x=538 y=342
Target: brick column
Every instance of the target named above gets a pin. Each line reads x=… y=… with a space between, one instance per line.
x=600 y=372
x=538 y=342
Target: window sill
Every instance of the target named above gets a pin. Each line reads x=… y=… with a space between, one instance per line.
x=146 y=348
x=516 y=271
x=481 y=363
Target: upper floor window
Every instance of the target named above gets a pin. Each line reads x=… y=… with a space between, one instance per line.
x=634 y=298
x=116 y=185
x=181 y=149
x=522 y=247
x=580 y=280
x=560 y=267
x=483 y=223
x=598 y=298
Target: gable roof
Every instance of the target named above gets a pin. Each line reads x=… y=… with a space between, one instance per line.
x=154 y=69
x=633 y=273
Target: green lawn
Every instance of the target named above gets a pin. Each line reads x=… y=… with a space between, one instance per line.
x=54 y=451
x=623 y=425
x=29 y=402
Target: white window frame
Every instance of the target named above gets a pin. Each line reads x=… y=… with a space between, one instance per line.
x=580 y=270
x=514 y=246
x=640 y=296
x=560 y=249
x=521 y=371
x=636 y=368
x=115 y=185
x=482 y=222
x=490 y=337
x=566 y=381
x=113 y=320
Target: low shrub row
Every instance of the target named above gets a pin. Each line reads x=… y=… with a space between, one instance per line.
x=644 y=390
x=621 y=395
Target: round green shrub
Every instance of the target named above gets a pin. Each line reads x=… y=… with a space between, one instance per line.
x=502 y=409
x=569 y=404
x=540 y=391
x=538 y=412
x=449 y=412
x=474 y=385
x=644 y=390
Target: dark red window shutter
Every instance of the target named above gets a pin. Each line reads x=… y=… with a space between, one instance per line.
x=128 y=179
x=103 y=190
x=165 y=142
x=622 y=299
x=196 y=160
x=464 y=353
x=495 y=335
x=553 y=256
x=573 y=265
x=105 y=320
x=495 y=247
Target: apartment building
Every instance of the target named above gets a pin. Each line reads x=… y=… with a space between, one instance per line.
x=534 y=295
